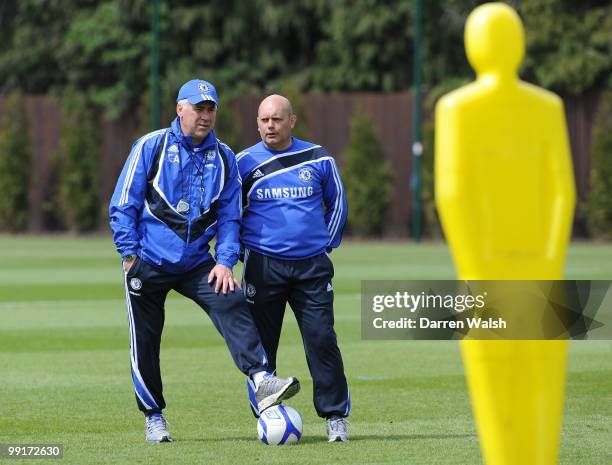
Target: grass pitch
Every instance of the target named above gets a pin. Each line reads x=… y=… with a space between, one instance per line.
x=64 y=369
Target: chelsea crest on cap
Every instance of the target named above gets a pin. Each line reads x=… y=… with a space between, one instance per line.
x=196 y=91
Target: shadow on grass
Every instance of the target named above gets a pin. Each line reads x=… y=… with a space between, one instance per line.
x=406 y=437
x=354 y=438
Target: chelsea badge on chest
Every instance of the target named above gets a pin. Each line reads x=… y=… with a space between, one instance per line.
x=182 y=206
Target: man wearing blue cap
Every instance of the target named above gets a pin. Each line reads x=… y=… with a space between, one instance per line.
x=179 y=188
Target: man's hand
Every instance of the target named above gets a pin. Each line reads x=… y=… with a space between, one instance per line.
x=224 y=279
x=128 y=262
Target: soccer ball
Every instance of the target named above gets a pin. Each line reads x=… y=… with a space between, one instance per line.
x=279 y=425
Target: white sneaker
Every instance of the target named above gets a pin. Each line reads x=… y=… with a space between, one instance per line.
x=156 y=428
x=273 y=390
x=337 y=429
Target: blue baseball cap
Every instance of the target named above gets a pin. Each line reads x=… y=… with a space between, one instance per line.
x=196 y=91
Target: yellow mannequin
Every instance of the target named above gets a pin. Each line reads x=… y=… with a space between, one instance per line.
x=505 y=193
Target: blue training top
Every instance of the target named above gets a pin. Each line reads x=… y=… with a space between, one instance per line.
x=294 y=205
x=163 y=170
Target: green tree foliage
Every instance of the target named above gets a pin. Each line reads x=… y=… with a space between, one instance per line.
x=8 y=11
x=366 y=46
x=240 y=46
x=569 y=44
x=78 y=162
x=108 y=48
x=367 y=178
x=103 y=48
x=32 y=32
x=443 y=50
x=599 y=213
x=228 y=127
x=15 y=165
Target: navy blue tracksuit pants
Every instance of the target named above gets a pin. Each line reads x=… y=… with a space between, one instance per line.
x=146 y=289
x=269 y=284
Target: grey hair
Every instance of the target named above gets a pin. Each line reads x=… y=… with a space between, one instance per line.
x=184 y=103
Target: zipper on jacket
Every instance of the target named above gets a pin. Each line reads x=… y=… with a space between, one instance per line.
x=191 y=154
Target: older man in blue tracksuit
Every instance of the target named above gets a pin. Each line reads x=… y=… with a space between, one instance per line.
x=178 y=189
x=294 y=213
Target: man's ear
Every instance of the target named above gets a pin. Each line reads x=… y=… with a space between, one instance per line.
x=293 y=120
x=179 y=109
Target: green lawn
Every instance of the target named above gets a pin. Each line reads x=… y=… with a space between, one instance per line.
x=64 y=369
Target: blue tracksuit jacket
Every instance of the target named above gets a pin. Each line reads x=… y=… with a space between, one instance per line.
x=162 y=168
x=294 y=205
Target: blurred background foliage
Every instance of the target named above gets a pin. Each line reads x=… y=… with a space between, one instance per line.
x=599 y=204
x=367 y=178
x=15 y=159
x=95 y=58
x=103 y=47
